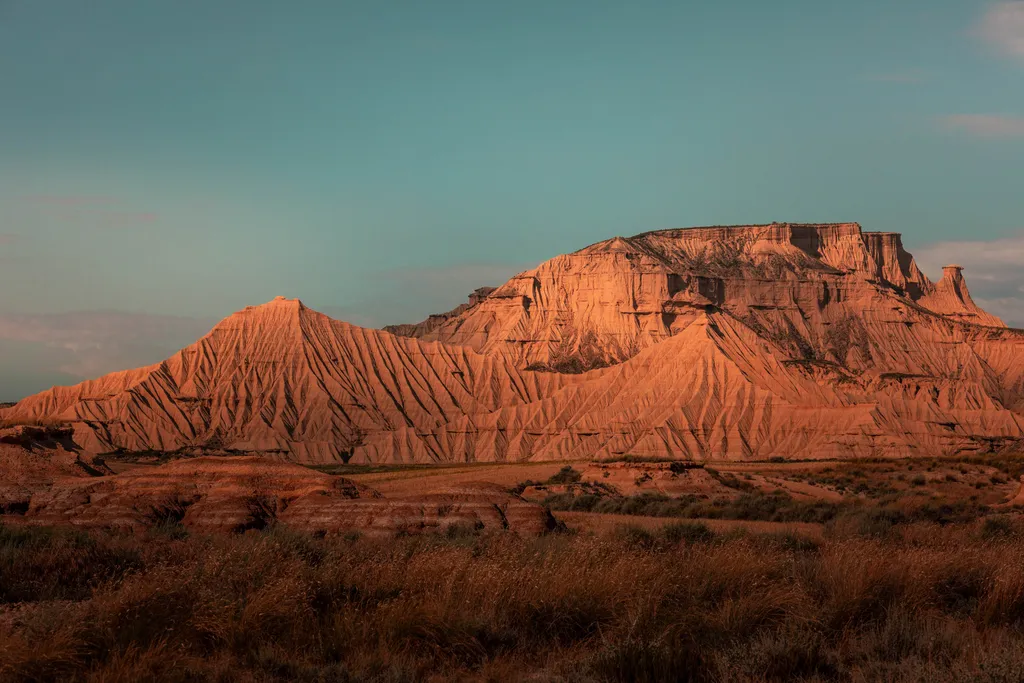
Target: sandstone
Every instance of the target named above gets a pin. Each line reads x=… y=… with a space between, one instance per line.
x=233 y=494
x=781 y=340
x=32 y=458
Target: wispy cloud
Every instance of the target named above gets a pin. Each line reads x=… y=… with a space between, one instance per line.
x=93 y=343
x=986 y=125
x=992 y=268
x=109 y=219
x=1002 y=27
x=68 y=200
x=88 y=211
x=89 y=344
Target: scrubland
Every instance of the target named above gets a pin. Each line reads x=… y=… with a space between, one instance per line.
x=873 y=597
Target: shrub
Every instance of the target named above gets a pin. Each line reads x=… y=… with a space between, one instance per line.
x=872 y=522
x=996 y=527
x=687 y=532
x=566 y=475
x=636 y=537
x=730 y=480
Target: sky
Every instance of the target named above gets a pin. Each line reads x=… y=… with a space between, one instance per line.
x=165 y=163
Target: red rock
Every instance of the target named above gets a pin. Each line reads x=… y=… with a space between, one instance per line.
x=231 y=494
x=803 y=341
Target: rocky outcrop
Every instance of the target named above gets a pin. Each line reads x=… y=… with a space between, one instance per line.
x=425 y=327
x=472 y=507
x=631 y=293
x=951 y=298
x=744 y=343
x=233 y=494
x=33 y=457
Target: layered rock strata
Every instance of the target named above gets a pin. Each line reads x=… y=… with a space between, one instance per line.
x=782 y=340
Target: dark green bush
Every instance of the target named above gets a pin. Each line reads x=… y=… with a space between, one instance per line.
x=566 y=475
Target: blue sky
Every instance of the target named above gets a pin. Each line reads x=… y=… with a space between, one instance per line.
x=163 y=164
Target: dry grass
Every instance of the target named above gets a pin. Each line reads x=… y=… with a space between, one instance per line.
x=921 y=603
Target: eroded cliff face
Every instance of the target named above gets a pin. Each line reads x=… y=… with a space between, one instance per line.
x=281 y=378
x=752 y=342
x=616 y=297
x=951 y=298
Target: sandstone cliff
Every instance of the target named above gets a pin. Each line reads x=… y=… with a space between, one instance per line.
x=616 y=297
x=750 y=342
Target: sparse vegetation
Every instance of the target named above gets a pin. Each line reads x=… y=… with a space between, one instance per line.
x=47 y=435
x=890 y=581
x=904 y=603
x=566 y=475
x=729 y=480
x=750 y=505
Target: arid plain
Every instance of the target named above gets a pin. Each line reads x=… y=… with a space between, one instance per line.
x=774 y=452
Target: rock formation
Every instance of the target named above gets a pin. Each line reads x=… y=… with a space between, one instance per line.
x=951 y=298
x=32 y=458
x=282 y=379
x=799 y=341
x=425 y=327
x=232 y=494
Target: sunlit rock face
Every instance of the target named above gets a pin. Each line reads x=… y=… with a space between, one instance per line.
x=802 y=341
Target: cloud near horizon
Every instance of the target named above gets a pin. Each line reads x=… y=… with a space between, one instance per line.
x=1002 y=27
x=87 y=344
x=992 y=269
x=68 y=200
x=986 y=125
x=87 y=211
x=90 y=344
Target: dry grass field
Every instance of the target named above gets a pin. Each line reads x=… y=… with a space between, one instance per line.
x=916 y=602
x=900 y=570
x=862 y=571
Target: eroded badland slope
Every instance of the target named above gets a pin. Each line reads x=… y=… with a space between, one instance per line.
x=800 y=341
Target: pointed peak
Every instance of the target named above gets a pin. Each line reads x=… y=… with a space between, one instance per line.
x=276 y=313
